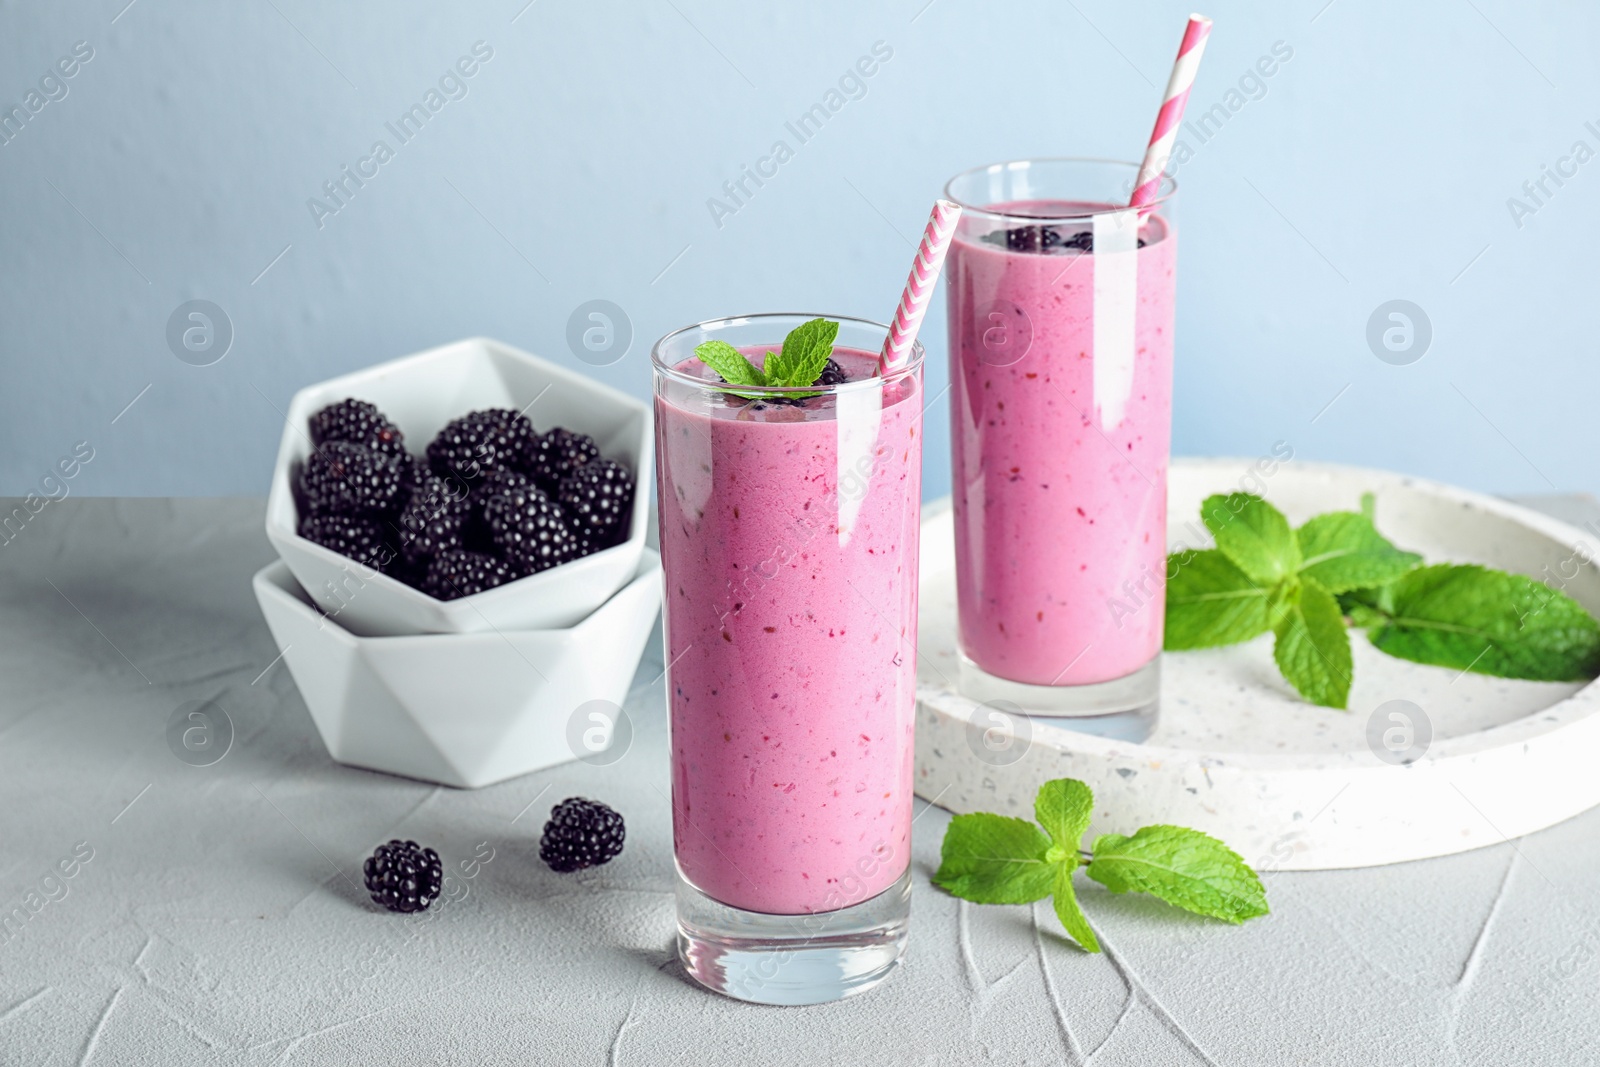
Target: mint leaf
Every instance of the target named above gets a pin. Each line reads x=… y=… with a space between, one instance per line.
x=1342 y=550
x=1067 y=909
x=1063 y=807
x=729 y=363
x=1312 y=648
x=1253 y=534
x=1473 y=618
x=1185 y=868
x=805 y=353
x=1211 y=602
x=1369 y=507
x=995 y=859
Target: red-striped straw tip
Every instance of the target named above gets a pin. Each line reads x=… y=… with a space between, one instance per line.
x=919 y=287
x=1148 y=183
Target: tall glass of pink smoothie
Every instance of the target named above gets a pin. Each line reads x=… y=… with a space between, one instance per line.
x=1060 y=318
x=789 y=532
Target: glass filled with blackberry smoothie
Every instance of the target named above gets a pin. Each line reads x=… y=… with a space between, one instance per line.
x=789 y=534
x=1060 y=304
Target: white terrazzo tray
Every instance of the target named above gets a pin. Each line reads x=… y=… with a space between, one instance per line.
x=1236 y=753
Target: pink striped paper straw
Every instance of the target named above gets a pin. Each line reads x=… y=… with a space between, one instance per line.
x=1148 y=183
x=919 y=287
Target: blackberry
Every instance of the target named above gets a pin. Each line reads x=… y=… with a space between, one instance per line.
x=588 y=542
x=1019 y=238
x=359 y=422
x=459 y=572
x=424 y=542
x=501 y=481
x=1038 y=239
x=434 y=519
x=832 y=374
x=406 y=573
x=530 y=529
x=480 y=442
x=409 y=473
x=581 y=833
x=596 y=497
x=1043 y=239
x=434 y=496
x=351 y=479
x=353 y=536
x=404 y=876
x=557 y=454
x=1082 y=241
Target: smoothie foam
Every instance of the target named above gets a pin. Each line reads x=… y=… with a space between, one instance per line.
x=790 y=535
x=1060 y=487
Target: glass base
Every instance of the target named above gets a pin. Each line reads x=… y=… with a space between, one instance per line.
x=1124 y=709
x=792 y=959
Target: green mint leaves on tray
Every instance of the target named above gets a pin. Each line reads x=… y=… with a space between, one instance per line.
x=1302 y=584
x=1465 y=616
x=996 y=859
x=800 y=363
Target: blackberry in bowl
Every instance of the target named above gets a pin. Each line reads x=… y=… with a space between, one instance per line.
x=424 y=451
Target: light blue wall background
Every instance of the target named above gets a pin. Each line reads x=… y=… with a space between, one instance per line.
x=1376 y=165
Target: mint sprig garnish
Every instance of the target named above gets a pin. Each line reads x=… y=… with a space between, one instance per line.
x=996 y=859
x=730 y=363
x=805 y=352
x=1303 y=584
x=800 y=363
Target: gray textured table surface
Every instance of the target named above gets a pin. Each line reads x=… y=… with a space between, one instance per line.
x=219 y=919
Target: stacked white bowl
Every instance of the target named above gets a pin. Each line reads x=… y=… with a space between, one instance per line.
x=471 y=691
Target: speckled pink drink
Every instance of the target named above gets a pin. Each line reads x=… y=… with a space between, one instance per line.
x=1060 y=484
x=789 y=542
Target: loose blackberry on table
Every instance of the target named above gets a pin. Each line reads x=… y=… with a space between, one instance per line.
x=595 y=497
x=351 y=479
x=581 y=833
x=459 y=572
x=557 y=454
x=403 y=876
x=480 y=442
x=359 y=422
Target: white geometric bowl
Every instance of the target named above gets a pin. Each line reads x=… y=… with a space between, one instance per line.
x=420 y=394
x=465 y=710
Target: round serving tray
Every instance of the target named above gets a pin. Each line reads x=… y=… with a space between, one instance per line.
x=1236 y=753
